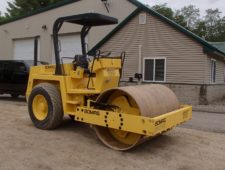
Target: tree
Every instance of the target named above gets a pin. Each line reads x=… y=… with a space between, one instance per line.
x=200 y=29
x=212 y=17
x=190 y=14
x=210 y=27
x=222 y=29
x=169 y=13
x=215 y=25
x=23 y=7
x=179 y=19
x=2 y=18
x=164 y=10
x=1 y=15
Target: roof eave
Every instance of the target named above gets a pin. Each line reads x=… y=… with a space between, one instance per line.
x=38 y=11
x=215 y=53
x=219 y=54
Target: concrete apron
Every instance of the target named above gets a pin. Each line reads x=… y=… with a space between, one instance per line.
x=210 y=108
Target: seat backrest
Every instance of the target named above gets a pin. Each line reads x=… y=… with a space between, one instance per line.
x=81 y=61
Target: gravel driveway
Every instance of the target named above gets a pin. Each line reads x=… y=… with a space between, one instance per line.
x=200 y=144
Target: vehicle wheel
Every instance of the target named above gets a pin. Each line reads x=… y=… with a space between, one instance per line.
x=45 y=106
x=14 y=95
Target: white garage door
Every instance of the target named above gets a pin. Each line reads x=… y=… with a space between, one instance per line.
x=70 y=46
x=24 y=49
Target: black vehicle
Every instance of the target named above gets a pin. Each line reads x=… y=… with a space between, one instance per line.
x=14 y=76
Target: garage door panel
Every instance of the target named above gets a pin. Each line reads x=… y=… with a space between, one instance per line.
x=24 y=49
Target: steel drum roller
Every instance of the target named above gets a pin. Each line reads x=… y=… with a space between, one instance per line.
x=146 y=100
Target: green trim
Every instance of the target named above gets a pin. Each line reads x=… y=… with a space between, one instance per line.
x=107 y=37
x=219 y=45
x=41 y=10
x=208 y=46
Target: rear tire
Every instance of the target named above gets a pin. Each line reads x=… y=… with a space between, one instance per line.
x=45 y=106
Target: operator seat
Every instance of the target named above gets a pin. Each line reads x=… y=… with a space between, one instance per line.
x=81 y=61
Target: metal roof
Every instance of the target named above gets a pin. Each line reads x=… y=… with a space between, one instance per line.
x=41 y=10
x=219 y=45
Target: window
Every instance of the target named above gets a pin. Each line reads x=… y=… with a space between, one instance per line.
x=154 y=69
x=213 y=70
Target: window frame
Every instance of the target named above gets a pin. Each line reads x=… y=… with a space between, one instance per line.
x=154 y=59
x=224 y=73
x=212 y=70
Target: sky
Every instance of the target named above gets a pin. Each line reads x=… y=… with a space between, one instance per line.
x=175 y=4
x=201 y=4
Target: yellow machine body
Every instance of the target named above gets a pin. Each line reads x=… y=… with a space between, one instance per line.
x=78 y=91
x=73 y=84
x=143 y=125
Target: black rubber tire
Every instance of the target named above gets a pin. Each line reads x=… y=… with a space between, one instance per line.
x=55 y=108
x=14 y=96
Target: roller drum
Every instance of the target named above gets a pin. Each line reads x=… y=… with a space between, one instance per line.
x=145 y=100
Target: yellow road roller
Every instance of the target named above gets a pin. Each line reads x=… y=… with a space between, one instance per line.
x=87 y=89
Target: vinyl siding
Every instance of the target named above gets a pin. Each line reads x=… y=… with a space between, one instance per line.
x=185 y=60
x=220 y=72
x=220 y=68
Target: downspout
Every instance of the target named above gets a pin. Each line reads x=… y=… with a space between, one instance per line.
x=140 y=62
